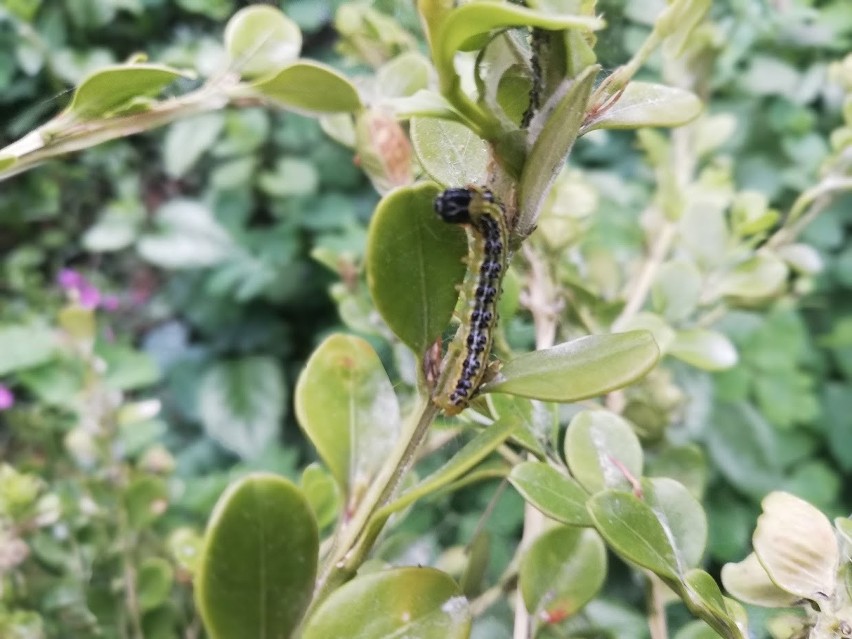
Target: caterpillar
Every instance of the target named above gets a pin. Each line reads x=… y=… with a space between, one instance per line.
x=487 y=233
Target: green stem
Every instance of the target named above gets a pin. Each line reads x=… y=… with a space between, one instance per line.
x=64 y=134
x=357 y=537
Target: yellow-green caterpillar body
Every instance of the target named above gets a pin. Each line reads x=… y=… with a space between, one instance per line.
x=488 y=238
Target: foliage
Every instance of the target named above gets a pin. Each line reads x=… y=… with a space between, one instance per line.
x=154 y=322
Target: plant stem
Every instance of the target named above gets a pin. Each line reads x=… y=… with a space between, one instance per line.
x=64 y=134
x=541 y=300
x=360 y=532
x=656 y=609
x=640 y=289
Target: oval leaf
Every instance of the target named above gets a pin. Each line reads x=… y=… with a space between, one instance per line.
x=796 y=545
x=556 y=495
x=241 y=403
x=470 y=20
x=761 y=276
x=551 y=145
x=310 y=88
x=418 y=603
x=647 y=104
x=257 y=569
x=602 y=451
x=681 y=515
x=561 y=572
x=154 y=583
x=107 y=90
x=702 y=596
x=583 y=368
x=260 y=40
x=449 y=152
x=188 y=236
x=346 y=405
x=413 y=261
x=748 y=582
x=707 y=350
x=469 y=456
x=632 y=529
x=24 y=347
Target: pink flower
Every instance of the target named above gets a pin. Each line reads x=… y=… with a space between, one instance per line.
x=7 y=399
x=82 y=290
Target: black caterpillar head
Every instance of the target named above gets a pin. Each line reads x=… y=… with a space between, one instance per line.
x=453 y=205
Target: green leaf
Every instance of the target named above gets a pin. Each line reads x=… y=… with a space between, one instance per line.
x=449 y=152
x=108 y=90
x=404 y=75
x=260 y=40
x=256 y=574
x=24 y=347
x=469 y=456
x=310 y=88
x=795 y=544
x=553 y=493
x=632 y=530
x=413 y=262
x=585 y=367
x=241 y=403
x=761 y=276
x=748 y=582
x=561 y=572
x=7 y=161
x=702 y=596
x=188 y=237
x=536 y=422
x=602 y=451
x=677 y=289
x=321 y=491
x=704 y=349
x=470 y=20
x=645 y=104
x=117 y=228
x=744 y=448
x=687 y=464
x=420 y=603
x=154 y=583
x=697 y=630
x=346 y=405
x=187 y=139
x=144 y=501
x=553 y=141
x=127 y=368
x=681 y=515
x=424 y=103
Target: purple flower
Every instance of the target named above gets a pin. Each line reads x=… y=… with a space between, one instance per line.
x=69 y=279
x=7 y=399
x=81 y=290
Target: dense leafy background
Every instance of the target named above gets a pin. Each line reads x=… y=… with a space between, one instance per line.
x=219 y=238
